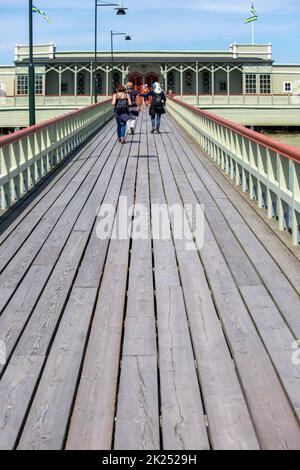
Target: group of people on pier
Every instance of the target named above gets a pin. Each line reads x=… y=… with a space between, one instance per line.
x=128 y=101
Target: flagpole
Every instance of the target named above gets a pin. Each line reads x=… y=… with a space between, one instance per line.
x=31 y=75
x=252 y=33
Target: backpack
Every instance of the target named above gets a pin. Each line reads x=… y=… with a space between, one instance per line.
x=158 y=103
x=122 y=106
x=133 y=95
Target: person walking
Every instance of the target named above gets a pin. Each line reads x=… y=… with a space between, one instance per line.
x=145 y=92
x=133 y=109
x=157 y=107
x=121 y=102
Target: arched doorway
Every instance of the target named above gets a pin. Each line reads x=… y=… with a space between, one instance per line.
x=139 y=80
x=136 y=79
x=150 y=78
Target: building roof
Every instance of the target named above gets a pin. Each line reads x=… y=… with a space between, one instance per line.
x=149 y=60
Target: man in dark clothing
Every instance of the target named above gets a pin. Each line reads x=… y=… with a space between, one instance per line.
x=157 y=107
x=133 y=109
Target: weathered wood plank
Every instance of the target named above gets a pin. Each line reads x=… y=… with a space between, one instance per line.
x=229 y=423
x=16 y=389
x=137 y=419
x=275 y=422
x=16 y=314
x=277 y=339
x=93 y=416
x=137 y=425
x=183 y=421
x=46 y=423
x=15 y=271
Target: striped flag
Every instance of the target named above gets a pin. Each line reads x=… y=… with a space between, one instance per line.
x=42 y=13
x=254 y=16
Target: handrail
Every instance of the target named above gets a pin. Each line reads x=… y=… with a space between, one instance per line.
x=268 y=170
x=5 y=140
x=284 y=149
x=26 y=156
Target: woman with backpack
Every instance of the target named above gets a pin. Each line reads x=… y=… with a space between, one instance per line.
x=133 y=109
x=157 y=107
x=121 y=102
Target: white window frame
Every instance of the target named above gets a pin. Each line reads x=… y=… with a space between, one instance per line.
x=251 y=90
x=284 y=87
x=22 y=85
x=265 y=84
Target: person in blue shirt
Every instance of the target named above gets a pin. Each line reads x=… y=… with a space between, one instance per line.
x=157 y=107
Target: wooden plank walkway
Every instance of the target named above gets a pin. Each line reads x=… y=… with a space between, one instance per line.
x=143 y=344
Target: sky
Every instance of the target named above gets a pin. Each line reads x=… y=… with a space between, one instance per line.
x=155 y=25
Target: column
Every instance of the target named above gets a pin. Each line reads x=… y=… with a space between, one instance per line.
x=213 y=83
x=124 y=75
x=244 y=86
x=75 y=82
x=197 y=84
x=59 y=83
x=107 y=80
x=44 y=87
x=181 y=81
x=166 y=78
x=228 y=82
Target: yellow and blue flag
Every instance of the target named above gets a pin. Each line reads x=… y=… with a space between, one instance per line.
x=254 y=16
x=41 y=12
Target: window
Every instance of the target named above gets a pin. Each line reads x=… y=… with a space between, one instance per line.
x=265 y=84
x=23 y=84
x=288 y=87
x=99 y=83
x=188 y=80
x=171 y=80
x=116 y=79
x=250 y=83
x=223 y=86
x=64 y=87
x=81 y=83
x=39 y=85
x=206 y=82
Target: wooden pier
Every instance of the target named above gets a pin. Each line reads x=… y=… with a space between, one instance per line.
x=142 y=344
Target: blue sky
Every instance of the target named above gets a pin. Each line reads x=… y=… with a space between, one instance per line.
x=155 y=25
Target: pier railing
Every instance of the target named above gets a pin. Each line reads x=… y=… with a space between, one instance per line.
x=28 y=155
x=265 y=168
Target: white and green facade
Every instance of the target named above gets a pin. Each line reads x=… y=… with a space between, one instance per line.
x=245 y=77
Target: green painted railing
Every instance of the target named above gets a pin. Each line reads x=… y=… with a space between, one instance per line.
x=28 y=155
x=265 y=168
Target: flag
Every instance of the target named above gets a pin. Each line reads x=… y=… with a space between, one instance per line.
x=40 y=12
x=254 y=16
